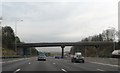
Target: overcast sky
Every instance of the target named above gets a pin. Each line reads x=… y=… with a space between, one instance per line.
x=60 y=21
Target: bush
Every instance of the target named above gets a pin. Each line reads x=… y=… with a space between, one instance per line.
x=8 y=52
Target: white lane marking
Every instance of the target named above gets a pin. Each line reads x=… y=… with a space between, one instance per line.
x=29 y=63
x=105 y=64
x=74 y=63
x=64 y=70
x=2 y=62
x=17 y=70
x=100 y=69
x=53 y=63
x=14 y=60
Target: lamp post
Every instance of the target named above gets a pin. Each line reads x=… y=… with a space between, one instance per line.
x=0 y=35
x=1 y=20
x=16 y=22
x=1 y=42
x=113 y=33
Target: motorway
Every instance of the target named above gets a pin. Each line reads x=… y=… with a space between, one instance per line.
x=51 y=64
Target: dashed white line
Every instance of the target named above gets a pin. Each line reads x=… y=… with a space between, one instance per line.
x=17 y=70
x=100 y=70
x=64 y=70
x=74 y=63
x=14 y=60
x=29 y=63
x=53 y=63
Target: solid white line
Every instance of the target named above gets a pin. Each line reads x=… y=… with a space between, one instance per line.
x=2 y=62
x=13 y=61
x=100 y=69
x=64 y=70
x=17 y=70
x=105 y=64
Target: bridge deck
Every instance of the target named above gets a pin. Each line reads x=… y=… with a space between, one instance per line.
x=55 y=44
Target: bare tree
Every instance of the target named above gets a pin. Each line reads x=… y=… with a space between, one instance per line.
x=109 y=34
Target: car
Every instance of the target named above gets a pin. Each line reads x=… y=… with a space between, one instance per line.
x=57 y=57
x=77 y=58
x=41 y=58
x=116 y=54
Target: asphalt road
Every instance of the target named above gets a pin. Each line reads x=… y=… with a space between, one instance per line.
x=51 y=64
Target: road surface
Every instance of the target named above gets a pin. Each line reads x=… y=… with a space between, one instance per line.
x=55 y=65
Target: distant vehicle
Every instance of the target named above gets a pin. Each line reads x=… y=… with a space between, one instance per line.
x=77 y=58
x=57 y=57
x=41 y=57
x=116 y=54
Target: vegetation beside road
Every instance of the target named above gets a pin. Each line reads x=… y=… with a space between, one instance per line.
x=8 y=44
x=8 y=52
x=103 y=51
x=9 y=47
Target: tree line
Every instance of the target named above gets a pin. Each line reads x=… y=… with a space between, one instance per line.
x=102 y=51
x=9 y=47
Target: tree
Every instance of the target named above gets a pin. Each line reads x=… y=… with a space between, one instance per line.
x=105 y=51
x=8 y=37
x=109 y=34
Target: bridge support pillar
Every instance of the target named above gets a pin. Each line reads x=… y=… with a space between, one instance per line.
x=62 y=51
x=24 y=51
x=97 y=51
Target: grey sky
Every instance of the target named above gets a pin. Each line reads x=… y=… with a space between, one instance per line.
x=60 y=21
